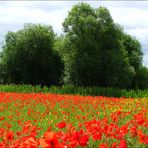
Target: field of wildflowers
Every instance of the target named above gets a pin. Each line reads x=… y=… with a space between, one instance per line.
x=35 y=120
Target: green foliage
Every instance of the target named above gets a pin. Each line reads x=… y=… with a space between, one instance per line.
x=77 y=90
x=133 y=48
x=141 y=78
x=29 y=56
x=95 y=55
x=3 y=73
x=135 y=55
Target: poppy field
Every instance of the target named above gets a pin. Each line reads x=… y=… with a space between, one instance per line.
x=37 y=120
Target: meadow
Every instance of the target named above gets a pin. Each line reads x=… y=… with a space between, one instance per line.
x=88 y=84
x=46 y=120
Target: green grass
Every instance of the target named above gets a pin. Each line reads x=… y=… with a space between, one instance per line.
x=69 y=89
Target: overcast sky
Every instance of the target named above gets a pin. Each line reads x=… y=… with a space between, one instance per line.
x=132 y=15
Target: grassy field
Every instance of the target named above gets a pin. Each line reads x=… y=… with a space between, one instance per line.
x=67 y=121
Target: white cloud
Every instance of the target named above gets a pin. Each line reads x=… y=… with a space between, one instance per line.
x=15 y=15
x=140 y=33
x=130 y=17
x=145 y=58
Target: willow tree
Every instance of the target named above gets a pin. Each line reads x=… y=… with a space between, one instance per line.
x=94 y=53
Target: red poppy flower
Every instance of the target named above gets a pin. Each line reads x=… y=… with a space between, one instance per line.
x=50 y=137
x=61 y=124
x=114 y=145
x=122 y=144
x=9 y=136
x=103 y=145
x=30 y=142
x=43 y=143
x=97 y=136
x=84 y=139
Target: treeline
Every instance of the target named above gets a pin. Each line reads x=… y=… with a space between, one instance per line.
x=93 y=51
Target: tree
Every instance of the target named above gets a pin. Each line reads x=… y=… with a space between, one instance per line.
x=2 y=71
x=141 y=78
x=95 y=55
x=29 y=56
x=133 y=47
x=79 y=41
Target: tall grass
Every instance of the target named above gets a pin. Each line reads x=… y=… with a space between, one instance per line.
x=70 y=89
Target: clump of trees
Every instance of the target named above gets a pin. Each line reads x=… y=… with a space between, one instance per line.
x=94 y=51
x=28 y=57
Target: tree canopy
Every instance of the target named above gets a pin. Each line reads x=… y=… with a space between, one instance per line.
x=29 y=56
x=94 y=45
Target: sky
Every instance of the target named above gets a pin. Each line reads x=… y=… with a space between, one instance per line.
x=132 y=15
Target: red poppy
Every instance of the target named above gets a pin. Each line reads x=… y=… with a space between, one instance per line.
x=84 y=139
x=103 y=145
x=97 y=136
x=61 y=124
x=9 y=136
x=43 y=143
x=114 y=145
x=50 y=137
x=122 y=144
x=30 y=142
